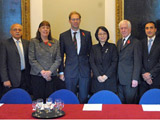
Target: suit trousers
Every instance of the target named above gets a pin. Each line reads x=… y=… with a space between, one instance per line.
x=143 y=87
x=22 y=83
x=127 y=94
x=80 y=86
x=42 y=88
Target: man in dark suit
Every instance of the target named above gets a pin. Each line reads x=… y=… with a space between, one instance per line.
x=76 y=44
x=150 y=59
x=14 y=65
x=129 y=64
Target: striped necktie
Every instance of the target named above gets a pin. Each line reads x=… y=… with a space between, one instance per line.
x=75 y=40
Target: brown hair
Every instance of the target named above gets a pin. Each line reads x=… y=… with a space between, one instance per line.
x=38 y=34
x=74 y=12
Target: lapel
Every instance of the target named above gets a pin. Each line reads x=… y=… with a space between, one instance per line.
x=69 y=36
x=128 y=42
x=119 y=44
x=24 y=47
x=13 y=46
x=153 y=46
x=83 y=38
x=105 y=50
x=146 y=46
x=99 y=52
x=47 y=48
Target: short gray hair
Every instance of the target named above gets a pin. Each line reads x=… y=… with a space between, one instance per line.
x=127 y=21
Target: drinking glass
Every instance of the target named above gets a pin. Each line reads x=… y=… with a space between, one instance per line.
x=49 y=102
x=59 y=104
x=39 y=105
x=34 y=105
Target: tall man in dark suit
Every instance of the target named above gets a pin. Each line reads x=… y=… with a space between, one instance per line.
x=76 y=44
x=150 y=58
x=129 y=64
x=14 y=65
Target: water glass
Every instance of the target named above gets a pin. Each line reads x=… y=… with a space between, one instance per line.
x=34 y=105
x=39 y=105
x=49 y=102
x=59 y=104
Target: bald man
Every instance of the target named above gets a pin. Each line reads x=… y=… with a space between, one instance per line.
x=14 y=65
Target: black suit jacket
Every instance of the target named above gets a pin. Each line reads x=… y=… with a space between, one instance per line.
x=75 y=64
x=103 y=61
x=151 y=62
x=130 y=61
x=10 y=61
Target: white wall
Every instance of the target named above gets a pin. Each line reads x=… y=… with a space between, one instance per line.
x=110 y=19
x=37 y=16
x=57 y=12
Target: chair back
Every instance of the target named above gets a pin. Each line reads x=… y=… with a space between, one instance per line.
x=16 y=96
x=151 y=96
x=104 y=97
x=66 y=95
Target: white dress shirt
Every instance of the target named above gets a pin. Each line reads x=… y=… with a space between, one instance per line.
x=126 y=38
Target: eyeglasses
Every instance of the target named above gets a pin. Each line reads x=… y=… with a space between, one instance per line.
x=102 y=34
x=76 y=19
x=17 y=30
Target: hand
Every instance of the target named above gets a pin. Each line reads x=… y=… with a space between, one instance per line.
x=42 y=72
x=100 y=79
x=48 y=78
x=146 y=76
x=105 y=77
x=149 y=81
x=134 y=83
x=62 y=77
x=7 y=84
x=46 y=75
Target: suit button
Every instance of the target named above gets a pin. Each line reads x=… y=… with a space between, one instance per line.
x=148 y=60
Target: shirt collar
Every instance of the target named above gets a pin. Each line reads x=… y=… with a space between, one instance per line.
x=152 y=38
x=126 y=38
x=72 y=31
x=15 y=40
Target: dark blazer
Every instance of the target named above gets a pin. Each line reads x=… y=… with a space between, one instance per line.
x=103 y=61
x=10 y=62
x=130 y=61
x=44 y=57
x=151 y=62
x=75 y=64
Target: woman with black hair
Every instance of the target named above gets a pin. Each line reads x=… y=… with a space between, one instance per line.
x=103 y=61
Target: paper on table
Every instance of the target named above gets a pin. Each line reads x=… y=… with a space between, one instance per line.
x=151 y=107
x=92 y=107
x=1 y=104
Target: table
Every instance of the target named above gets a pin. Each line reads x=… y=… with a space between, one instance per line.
x=74 y=111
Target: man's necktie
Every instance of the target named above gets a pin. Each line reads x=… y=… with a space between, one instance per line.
x=21 y=55
x=122 y=43
x=75 y=40
x=149 y=45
